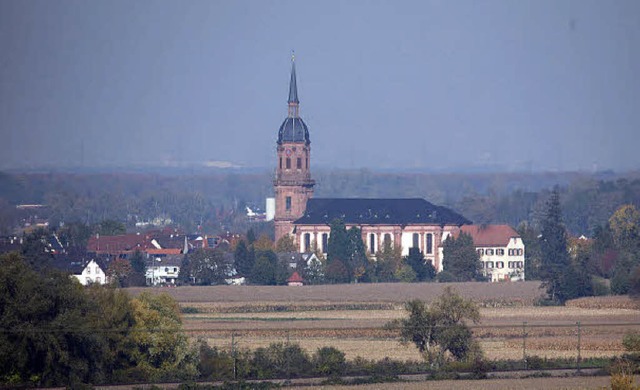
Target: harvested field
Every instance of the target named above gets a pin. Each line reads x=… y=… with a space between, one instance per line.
x=584 y=382
x=488 y=294
x=352 y=318
x=613 y=302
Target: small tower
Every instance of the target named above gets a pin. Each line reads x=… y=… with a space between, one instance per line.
x=293 y=184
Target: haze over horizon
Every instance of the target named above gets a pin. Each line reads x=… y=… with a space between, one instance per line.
x=527 y=85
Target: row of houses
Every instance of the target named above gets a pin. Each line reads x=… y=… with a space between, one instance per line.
x=500 y=248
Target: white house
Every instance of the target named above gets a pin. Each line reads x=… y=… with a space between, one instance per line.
x=163 y=269
x=88 y=273
x=500 y=248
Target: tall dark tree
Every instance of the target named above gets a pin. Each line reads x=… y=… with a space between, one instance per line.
x=35 y=250
x=338 y=244
x=357 y=260
x=244 y=259
x=532 y=251
x=251 y=236
x=184 y=276
x=267 y=270
x=557 y=273
x=425 y=271
x=460 y=259
x=138 y=275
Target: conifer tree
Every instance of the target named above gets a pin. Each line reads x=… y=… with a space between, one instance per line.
x=461 y=260
x=556 y=271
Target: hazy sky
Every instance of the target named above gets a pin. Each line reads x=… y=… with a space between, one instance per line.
x=382 y=84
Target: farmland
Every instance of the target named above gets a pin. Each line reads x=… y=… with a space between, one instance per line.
x=351 y=318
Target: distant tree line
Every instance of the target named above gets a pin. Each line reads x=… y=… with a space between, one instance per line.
x=215 y=202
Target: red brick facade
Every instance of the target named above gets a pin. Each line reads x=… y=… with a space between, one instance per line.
x=293 y=185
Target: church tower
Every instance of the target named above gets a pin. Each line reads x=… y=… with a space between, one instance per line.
x=293 y=184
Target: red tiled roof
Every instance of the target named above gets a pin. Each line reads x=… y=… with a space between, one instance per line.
x=489 y=235
x=119 y=243
x=295 y=278
x=165 y=251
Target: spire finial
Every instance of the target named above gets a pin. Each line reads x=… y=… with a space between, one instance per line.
x=293 y=55
x=293 y=87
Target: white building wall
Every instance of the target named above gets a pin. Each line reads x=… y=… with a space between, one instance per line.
x=162 y=274
x=406 y=241
x=91 y=274
x=504 y=266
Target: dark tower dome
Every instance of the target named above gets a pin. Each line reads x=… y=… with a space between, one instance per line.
x=293 y=128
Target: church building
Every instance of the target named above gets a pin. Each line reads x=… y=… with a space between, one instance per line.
x=408 y=223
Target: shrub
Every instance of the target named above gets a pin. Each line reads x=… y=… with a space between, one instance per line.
x=600 y=287
x=631 y=342
x=622 y=377
x=280 y=360
x=329 y=361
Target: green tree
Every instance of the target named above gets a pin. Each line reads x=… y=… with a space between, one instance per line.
x=110 y=227
x=119 y=272
x=557 y=273
x=461 y=259
x=439 y=328
x=209 y=266
x=35 y=250
x=244 y=259
x=51 y=324
x=184 y=276
x=314 y=272
x=74 y=234
x=424 y=270
x=267 y=270
x=388 y=261
x=405 y=274
x=138 y=275
x=286 y=244
x=329 y=361
x=532 y=251
x=625 y=226
x=251 y=236
x=162 y=350
x=357 y=261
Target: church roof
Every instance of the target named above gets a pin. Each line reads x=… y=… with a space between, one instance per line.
x=361 y=211
x=293 y=130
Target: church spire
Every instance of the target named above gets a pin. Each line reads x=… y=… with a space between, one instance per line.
x=293 y=90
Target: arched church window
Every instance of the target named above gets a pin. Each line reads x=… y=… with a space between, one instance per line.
x=287 y=202
x=429 y=243
x=299 y=163
x=280 y=162
x=288 y=163
x=372 y=243
x=325 y=242
x=387 y=238
x=416 y=240
x=307 y=242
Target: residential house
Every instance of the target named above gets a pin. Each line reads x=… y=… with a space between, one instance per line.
x=500 y=248
x=163 y=268
x=86 y=271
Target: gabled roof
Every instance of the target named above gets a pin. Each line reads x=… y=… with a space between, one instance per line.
x=295 y=278
x=489 y=235
x=119 y=243
x=360 y=211
x=165 y=261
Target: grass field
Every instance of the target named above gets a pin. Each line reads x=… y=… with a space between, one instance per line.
x=351 y=318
